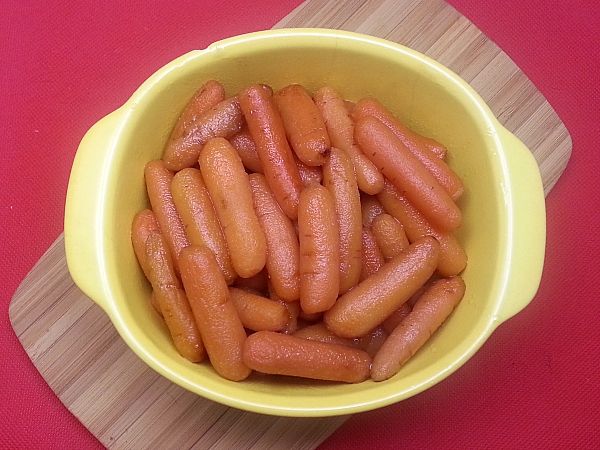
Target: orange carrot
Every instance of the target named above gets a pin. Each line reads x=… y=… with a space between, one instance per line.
x=407 y=173
x=172 y=300
x=229 y=188
x=371 y=207
x=257 y=312
x=218 y=321
x=244 y=144
x=339 y=179
x=430 y=311
x=209 y=94
x=276 y=156
x=283 y=249
x=199 y=218
x=368 y=304
x=369 y=106
x=453 y=258
x=222 y=120
x=372 y=258
x=390 y=235
x=158 y=185
x=319 y=249
x=281 y=354
x=144 y=223
x=293 y=309
x=441 y=171
x=340 y=128
x=304 y=125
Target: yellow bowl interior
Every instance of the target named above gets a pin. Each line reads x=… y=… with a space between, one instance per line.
x=422 y=94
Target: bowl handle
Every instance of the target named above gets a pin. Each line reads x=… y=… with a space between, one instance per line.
x=83 y=208
x=527 y=237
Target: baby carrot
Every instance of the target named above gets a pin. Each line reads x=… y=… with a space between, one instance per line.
x=441 y=171
x=209 y=94
x=172 y=300
x=222 y=120
x=319 y=238
x=229 y=188
x=339 y=179
x=340 y=128
x=281 y=354
x=407 y=173
x=244 y=144
x=453 y=258
x=372 y=258
x=199 y=218
x=257 y=312
x=390 y=235
x=218 y=321
x=144 y=223
x=304 y=125
x=430 y=311
x=397 y=316
x=283 y=249
x=158 y=184
x=368 y=304
x=369 y=106
x=274 y=152
x=258 y=283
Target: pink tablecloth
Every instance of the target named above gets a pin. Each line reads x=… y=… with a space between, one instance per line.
x=534 y=384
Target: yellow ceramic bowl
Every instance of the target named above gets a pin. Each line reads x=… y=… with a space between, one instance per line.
x=504 y=215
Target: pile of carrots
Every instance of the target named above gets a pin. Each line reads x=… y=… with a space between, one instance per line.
x=300 y=235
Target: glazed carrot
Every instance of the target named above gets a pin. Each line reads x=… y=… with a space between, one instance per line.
x=222 y=120
x=319 y=238
x=199 y=218
x=309 y=174
x=283 y=249
x=407 y=173
x=339 y=179
x=319 y=332
x=372 y=258
x=229 y=188
x=390 y=235
x=172 y=300
x=373 y=300
x=144 y=223
x=257 y=312
x=441 y=171
x=209 y=94
x=154 y=303
x=371 y=207
x=276 y=156
x=453 y=258
x=340 y=128
x=218 y=321
x=430 y=311
x=281 y=354
x=244 y=144
x=397 y=316
x=158 y=184
x=303 y=124
x=369 y=106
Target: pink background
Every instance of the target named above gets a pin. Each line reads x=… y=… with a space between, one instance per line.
x=534 y=384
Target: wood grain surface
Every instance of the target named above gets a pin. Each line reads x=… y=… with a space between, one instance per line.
x=124 y=403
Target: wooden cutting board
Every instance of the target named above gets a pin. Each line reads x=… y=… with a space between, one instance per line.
x=124 y=403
